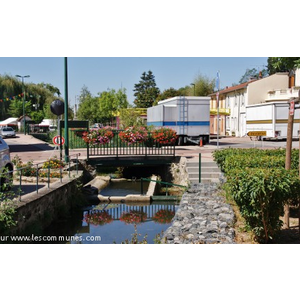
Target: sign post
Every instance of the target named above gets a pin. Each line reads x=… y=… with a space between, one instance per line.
x=218 y=110
x=58 y=140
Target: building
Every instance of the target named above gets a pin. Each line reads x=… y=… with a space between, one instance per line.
x=233 y=101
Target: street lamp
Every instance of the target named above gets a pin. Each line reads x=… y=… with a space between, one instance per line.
x=194 y=87
x=26 y=76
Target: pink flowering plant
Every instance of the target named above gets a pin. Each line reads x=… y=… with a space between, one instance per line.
x=133 y=217
x=134 y=134
x=98 y=136
x=163 y=216
x=98 y=218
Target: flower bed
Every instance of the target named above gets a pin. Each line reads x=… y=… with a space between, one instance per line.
x=98 y=136
x=53 y=163
x=98 y=218
x=163 y=216
x=164 y=136
x=133 y=134
x=133 y=217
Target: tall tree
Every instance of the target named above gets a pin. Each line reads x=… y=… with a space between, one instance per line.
x=84 y=94
x=39 y=96
x=203 y=86
x=16 y=108
x=146 y=90
x=282 y=64
x=253 y=73
x=168 y=93
x=101 y=109
x=111 y=102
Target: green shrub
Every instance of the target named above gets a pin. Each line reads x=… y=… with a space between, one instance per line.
x=254 y=154
x=260 y=185
x=263 y=162
x=7 y=213
x=261 y=195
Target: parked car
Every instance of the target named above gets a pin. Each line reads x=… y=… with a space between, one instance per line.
x=6 y=132
x=52 y=128
x=6 y=166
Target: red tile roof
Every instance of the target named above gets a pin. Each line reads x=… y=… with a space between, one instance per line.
x=234 y=88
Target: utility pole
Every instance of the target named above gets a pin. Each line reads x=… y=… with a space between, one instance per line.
x=24 y=98
x=66 y=113
x=288 y=155
x=218 y=109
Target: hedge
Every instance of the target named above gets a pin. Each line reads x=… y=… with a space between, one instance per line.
x=260 y=185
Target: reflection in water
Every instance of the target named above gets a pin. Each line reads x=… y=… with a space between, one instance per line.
x=123 y=188
x=115 y=223
x=149 y=219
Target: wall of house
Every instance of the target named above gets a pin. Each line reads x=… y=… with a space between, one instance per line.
x=258 y=90
x=236 y=101
x=297 y=77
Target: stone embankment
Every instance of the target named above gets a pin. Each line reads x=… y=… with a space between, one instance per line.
x=203 y=217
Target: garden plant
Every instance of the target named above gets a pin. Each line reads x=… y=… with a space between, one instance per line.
x=259 y=184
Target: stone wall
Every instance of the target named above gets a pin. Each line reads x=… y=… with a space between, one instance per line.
x=41 y=209
x=203 y=217
x=179 y=172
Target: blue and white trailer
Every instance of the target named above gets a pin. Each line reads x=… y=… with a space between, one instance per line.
x=188 y=116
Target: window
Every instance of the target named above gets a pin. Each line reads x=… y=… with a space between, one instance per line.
x=243 y=99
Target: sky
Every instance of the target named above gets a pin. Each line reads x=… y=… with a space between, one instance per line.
x=101 y=73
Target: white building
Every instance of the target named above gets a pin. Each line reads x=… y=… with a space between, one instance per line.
x=251 y=92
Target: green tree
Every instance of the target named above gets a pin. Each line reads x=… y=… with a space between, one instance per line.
x=37 y=116
x=111 y=102
x=16 y=108
x=84 y=94
x=40 y=95
x=50 y=87
x=9 y=87
x=88 y=109
x=252 y=73
x=184 y=91
x=146 y=90
x=203 y=86
x=282 y=64
x=168 y=93
x=101 y=109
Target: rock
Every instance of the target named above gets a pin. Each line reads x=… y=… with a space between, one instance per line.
x=202 y=218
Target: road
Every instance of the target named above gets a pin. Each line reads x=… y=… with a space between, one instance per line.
x=29 y=148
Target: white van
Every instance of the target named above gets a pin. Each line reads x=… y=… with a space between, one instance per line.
x=5 y=165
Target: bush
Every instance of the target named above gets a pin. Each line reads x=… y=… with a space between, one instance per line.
x=7 y=212
x=260 y=186
x=261 y=195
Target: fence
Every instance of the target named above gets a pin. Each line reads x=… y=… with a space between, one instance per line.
x=33 y=170
x=117 y=147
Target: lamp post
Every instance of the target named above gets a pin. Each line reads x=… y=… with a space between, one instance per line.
x=194 y=87
x=26 y=76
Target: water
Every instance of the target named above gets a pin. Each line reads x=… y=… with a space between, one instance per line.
x=115 y=223
x=123 y=188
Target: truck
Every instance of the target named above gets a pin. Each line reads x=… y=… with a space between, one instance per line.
x=271 y=118
x=188 y=116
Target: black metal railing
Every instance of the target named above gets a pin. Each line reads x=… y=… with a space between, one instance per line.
x=117 y=147
x=41 y=177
